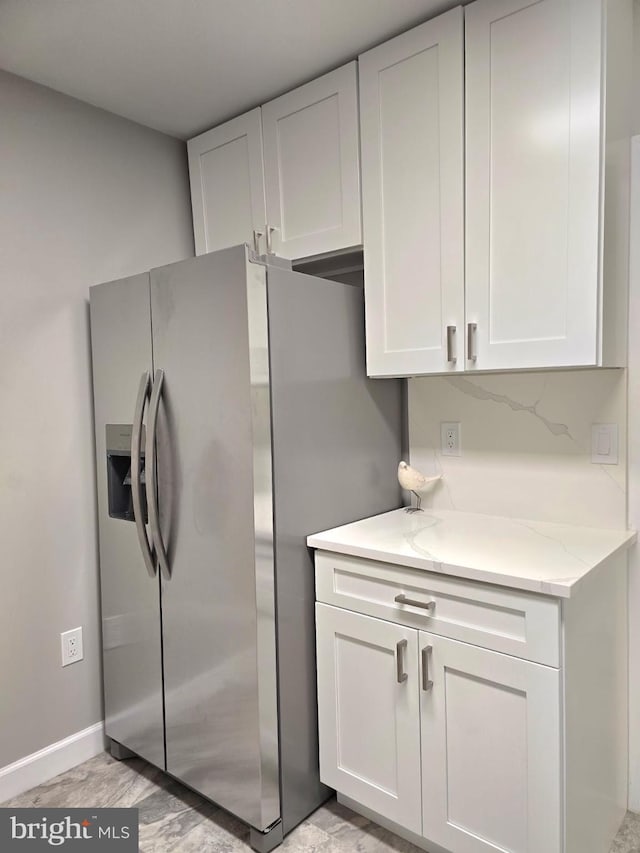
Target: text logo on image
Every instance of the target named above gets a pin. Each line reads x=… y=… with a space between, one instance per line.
x=35 y=829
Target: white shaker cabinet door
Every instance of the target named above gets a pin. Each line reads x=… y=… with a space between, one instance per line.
x=312 y=166
x=533 y=103
x=227 y=183
x=490 y=750
x=411 y=125
x=368 y=712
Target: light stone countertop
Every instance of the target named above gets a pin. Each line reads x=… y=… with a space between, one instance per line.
x=518 y=553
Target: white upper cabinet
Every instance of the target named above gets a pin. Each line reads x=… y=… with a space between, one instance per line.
x=312 y=170
x=411 y=119
x=227 y=183
x=533 y=124
x=311 y=174
x=495 y=154
x=544 y=256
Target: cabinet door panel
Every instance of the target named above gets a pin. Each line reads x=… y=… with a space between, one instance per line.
x=368 y=721
x=490 y=751
x=411 y=119
x=533 y=181
x=227 y=183
x=312 y=166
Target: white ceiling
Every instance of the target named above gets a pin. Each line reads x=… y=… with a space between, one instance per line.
x=182 y=66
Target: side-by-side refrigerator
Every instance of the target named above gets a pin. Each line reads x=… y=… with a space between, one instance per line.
x=233 y=418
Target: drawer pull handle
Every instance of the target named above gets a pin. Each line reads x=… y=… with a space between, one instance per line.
x=401 y=675
x=426 y=605
x=426 y=683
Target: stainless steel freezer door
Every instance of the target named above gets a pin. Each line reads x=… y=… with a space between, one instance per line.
x=215 y=499
x=132 y=666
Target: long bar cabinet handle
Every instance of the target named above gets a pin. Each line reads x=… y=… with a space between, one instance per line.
x=472 y=328
x=426 y=605
x=427 y=684
x=152 y=484
x=451 y=344
x=401 y=675
x=136 y=439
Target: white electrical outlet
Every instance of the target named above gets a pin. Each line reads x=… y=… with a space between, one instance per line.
x=71 y=642
x=451 y=444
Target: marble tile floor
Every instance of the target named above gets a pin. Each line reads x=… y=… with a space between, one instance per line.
x=175 y=820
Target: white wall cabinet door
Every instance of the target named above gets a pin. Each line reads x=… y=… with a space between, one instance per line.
x=491 y=776
x=227 y=183
x=312 y=166
x=368 y=712
x=411 y=124
x=533 y=127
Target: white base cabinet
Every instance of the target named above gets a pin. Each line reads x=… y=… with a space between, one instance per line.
x=490 y=728
x=475 y=718
x=465 y=748
x=370 y=731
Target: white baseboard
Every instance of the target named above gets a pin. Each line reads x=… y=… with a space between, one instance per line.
x=56 y=758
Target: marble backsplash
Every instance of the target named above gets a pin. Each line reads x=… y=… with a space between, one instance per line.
x=526 y=444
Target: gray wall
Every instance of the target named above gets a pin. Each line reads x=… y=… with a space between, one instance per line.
x=634 y=489
x=634 y=455
x=636 y=67
x=85 y=197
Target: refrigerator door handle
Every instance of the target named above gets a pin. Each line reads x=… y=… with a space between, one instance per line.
x=151 y=478
x=136 y=438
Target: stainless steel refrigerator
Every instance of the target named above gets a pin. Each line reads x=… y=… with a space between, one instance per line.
x=233 y=418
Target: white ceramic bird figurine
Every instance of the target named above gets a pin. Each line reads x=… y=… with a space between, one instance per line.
x=413 y=481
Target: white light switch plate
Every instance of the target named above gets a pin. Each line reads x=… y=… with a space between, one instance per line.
x=604 y=444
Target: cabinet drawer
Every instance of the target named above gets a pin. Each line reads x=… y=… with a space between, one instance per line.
x=516 y=623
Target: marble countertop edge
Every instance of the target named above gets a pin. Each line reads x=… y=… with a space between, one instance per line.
x=554 y=588
x=567 y=560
